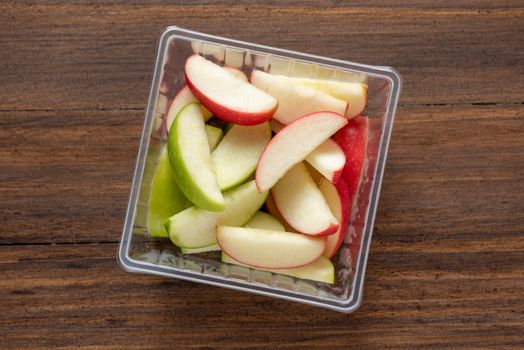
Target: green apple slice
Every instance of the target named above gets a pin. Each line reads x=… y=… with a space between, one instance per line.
x=321 y=270
x=214 y=135
x=166 y=198
x=209 y=248
x=195 y=227
x=264 y=221
x=190 y=158
x=236 y=157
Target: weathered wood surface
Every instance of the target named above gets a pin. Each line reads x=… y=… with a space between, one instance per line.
x=67 y=56
x=446 y=268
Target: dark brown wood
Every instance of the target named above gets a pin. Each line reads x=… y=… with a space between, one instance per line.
x=455 y=170
x=63 y=296
x=446 y=268
x=80 y=56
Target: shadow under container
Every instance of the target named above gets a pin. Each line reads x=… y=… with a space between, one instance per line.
x=139 y=252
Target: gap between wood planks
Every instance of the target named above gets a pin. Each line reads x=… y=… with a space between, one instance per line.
x=134 y=109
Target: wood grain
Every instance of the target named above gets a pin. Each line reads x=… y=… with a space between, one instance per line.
x=446 y=267
x=454 y=170
x=64 y=296
x=71 y=56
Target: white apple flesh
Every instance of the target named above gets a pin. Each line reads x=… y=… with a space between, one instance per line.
x=328 y=159
x=226 y=96
x=237 y=73
x=269 y=249
x=321 y=270
x=295 y=100
x=265 y=221
x=195 y=227
x=292 y=145
x=236 y=156
x=302 y=204
x=355 y=93
x=337 y=198
x=214 y=135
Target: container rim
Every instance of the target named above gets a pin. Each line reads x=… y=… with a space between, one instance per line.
x=354 y=300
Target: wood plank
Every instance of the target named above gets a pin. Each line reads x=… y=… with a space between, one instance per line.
x=64 y=296
x=101 y=56
x=455 y=175
x=66 y=176
x=445 y=4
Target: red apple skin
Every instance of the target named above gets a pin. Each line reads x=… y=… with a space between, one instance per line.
x=282 y=132
x=226 y=114
x=337 y=175
x=344 y=195
x=332 y=229
x=352 y=138
x=226 y=250
x=229 y=115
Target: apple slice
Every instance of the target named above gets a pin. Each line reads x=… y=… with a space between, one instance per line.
x=337 y=198
x=237 y=73
x=302 y=204
x=210 y=248
x=226 y=96
x=269 y=249
x=235 y=158
x=166 y=198
x=265 y=221
x=195 y=227
x=293 y=143
x=273 y=210
x=353 y=141
x=295 y=100
x=183 y=97
x=190 y=158
x=321 y=270
x=355 y=93
x=328 y=159
x=214 y=136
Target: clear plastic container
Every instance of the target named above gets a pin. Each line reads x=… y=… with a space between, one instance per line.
x=139 y=252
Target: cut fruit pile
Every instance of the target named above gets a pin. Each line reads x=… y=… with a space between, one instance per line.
x=265 y=170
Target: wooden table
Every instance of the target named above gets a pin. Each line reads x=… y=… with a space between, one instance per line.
x=446 y=268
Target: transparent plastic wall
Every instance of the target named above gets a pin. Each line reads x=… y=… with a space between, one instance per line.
x=142 y=253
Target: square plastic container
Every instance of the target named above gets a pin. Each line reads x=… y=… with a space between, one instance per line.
x=139 y=252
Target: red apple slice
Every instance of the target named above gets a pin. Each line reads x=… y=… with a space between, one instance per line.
x=181 y=99
x=328 y=159
x=353 y=141
x=226 y=96
x=356 y=93
x=269 y=249
x=337 y=197
x=273 y=210
x=295 y=100
x=237 y=73
x=293 y=143
x=302 y=204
